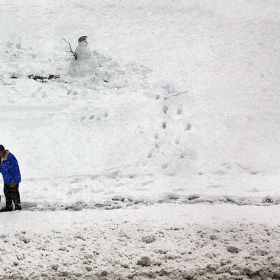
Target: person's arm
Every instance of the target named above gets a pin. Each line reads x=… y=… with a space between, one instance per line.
x=15 y=172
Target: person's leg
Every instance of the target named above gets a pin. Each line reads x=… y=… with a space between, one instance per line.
x=9 y=198
x=16 y=197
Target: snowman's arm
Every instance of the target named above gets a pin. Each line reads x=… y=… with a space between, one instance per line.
x=71 y=51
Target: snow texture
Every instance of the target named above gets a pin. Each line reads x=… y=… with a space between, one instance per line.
x=155 y=154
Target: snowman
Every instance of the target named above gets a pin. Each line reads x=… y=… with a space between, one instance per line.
x=81 y=65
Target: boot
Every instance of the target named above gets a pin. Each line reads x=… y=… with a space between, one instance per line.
x=7 y=209
x=18 y=207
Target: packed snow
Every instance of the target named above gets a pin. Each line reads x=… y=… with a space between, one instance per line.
x=155 y=153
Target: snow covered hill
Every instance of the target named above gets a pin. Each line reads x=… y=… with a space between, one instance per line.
x=182 y=96
x=178 y=104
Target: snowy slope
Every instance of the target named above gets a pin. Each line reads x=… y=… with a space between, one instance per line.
x=179 y=104
x=189 y=99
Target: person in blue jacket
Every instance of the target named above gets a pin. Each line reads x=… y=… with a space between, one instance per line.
x=11 y=177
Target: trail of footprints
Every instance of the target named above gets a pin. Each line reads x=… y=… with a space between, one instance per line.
x=123 y=202
x=162 y=136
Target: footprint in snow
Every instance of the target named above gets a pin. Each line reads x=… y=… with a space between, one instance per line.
x=179 y=110
x=165 y=109
x=182 y=155
x=188 y=127
x=164 y=166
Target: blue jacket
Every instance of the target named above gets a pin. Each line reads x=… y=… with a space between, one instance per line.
x=10 y=170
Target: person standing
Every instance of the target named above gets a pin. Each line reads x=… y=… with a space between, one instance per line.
x=11 y=177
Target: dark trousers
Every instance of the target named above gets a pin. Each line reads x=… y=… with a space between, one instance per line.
x=12 y=195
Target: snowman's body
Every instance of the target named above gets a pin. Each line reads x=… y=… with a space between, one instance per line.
x=83 y=65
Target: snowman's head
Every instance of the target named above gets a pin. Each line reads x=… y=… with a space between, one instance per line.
x=83 y=41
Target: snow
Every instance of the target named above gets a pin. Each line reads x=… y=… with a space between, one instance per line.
x=160 y=159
